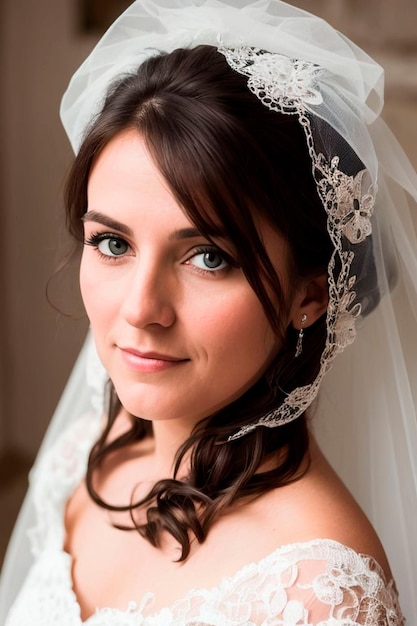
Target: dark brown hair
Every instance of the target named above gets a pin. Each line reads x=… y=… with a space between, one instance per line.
x=226 y=157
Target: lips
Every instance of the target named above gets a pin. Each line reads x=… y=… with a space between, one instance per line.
x=151 y=355
x=148 y=362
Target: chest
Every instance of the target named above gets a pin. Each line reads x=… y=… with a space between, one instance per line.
x=113 y=567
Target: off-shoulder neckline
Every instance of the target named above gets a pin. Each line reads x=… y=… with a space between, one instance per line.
x=138 y=607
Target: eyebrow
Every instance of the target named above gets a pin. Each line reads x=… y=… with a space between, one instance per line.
x=177 y=235
x=185 y=233
x=95 y=216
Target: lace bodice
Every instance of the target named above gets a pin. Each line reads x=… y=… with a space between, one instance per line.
x=318 y=582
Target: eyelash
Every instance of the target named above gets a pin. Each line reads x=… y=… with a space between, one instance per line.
x=213 y=249
x=95 y=239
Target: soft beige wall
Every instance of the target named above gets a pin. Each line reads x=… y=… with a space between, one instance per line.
x=386 y=29
x=40 y=47
x=371 y=24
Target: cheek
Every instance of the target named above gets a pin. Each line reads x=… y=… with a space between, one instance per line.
x=239 y=332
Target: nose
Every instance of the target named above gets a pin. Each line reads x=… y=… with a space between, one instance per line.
x=149 y=296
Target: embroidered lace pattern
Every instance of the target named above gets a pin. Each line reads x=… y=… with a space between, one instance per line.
x=318 y=582
x=292 y=87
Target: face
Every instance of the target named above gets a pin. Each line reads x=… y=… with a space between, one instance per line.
x=177 y=326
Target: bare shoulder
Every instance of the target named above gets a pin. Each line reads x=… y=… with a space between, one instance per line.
x=320 y=506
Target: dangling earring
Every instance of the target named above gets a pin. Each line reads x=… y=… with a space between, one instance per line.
x=299 y=347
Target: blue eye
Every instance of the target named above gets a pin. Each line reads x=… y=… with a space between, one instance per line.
x=209 y=260
x=113 y=246
x=108 y=245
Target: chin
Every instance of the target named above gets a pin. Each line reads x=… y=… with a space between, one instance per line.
x=150 y=411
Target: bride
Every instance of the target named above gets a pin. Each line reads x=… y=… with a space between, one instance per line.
x=237 y=235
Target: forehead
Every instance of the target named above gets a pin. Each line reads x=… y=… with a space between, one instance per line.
x=125 y=172
x=126 y=168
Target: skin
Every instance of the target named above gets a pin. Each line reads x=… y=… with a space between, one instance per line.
x=181 y=335
x=169 y=314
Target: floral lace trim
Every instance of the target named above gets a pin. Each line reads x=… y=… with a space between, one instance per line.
x=292 y=87
x=320 y=582
x=351 y=589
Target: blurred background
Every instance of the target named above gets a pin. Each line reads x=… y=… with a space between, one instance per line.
x=41 y=44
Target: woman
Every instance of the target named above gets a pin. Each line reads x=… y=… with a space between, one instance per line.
x=226 y=195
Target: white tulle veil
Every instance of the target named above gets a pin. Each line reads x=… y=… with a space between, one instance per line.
x=365 y=417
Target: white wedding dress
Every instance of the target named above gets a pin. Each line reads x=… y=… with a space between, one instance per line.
x=368 y=401
x=318 y=582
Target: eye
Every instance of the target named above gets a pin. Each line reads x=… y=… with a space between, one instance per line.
x=113 y=246
x=208 y=259
x=108 y=245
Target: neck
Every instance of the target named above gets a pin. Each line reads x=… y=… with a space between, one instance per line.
x=168 y=436
x=156 y=454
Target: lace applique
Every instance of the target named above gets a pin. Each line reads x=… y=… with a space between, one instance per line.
x=292 y=87
x=319 y=582
x=342 y=588
x=280 y=83
x=351 y=211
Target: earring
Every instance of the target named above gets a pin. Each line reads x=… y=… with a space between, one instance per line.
x=299 y=347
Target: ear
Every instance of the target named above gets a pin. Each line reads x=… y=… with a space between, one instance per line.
x=310 y=302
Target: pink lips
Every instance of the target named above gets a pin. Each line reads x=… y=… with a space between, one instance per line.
x=149 y=362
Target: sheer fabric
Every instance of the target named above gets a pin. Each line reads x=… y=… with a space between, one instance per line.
x=83 y=396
